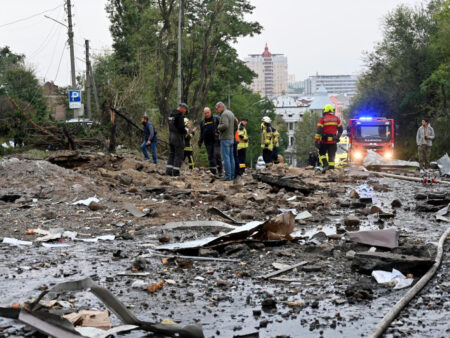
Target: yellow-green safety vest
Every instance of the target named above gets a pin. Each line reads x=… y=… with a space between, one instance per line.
x=243 y=137
x=267 y=137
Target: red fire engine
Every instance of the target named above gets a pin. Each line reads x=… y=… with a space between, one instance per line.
x=374 y=133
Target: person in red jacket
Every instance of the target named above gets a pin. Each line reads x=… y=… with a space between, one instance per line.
x=329 y=130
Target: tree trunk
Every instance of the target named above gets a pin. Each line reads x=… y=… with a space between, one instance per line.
x=112 y=136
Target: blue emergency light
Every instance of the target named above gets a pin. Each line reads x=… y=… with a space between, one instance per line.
x=366 y=118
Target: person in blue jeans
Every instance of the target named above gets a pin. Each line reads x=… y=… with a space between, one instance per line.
x=226 y=128
x=150 y=139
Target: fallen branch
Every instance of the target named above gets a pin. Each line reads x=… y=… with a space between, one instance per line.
x=45 y=131
x=279 y=272
x=289 y=183
x=194 y=258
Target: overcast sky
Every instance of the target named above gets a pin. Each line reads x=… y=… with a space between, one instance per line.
x=324 y=36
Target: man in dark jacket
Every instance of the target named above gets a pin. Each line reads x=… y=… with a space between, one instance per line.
x=209 y=135
x=150 y=139
x=177 y=130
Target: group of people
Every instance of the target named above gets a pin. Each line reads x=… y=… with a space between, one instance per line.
x=226 y=141
x=224 y=137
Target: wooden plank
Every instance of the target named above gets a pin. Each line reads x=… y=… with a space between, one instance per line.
x=279 y=272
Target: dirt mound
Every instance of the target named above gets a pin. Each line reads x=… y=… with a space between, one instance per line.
x=42 y=179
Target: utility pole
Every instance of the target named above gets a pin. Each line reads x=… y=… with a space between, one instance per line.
x=179 y=50
x=94 y=88
x=88 y=82
x=72 y=53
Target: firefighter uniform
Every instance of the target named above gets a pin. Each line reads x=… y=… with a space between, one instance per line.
x=276 y=145
x=210 y=136
x=176 y=140
x=188 y=151
x=242 y=146
x=267 y=141
x=329 y=130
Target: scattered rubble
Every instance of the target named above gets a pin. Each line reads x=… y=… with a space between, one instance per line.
x=240 y=260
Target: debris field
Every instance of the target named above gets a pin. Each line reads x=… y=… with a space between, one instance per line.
x=287 y=252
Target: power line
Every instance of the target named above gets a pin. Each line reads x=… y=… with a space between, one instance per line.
x=53 y=53
x=59 y=64
x=29 y=17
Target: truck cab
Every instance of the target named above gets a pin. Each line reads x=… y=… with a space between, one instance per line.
x=370 y=133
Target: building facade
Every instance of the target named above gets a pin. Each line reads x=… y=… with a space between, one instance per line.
x=334 y=84
x=272 y=73
x=291 y=109
x=55 y=101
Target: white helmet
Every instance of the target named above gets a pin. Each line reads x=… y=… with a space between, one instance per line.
x=266 y=119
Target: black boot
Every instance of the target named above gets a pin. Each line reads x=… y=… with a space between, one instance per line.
x=175 y=172
x=169 y=171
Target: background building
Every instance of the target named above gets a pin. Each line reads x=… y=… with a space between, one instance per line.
x=334 y=84
x=272 y=73
x=55 y=101
x=291 y=109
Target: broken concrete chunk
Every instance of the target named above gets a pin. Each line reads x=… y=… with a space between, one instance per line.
x=361 y=290
x=396 y=203
x=133 y=210
x=387 y=238
x=427 y=207
x=94 y=206
x=319 y=237
x=366 y=262
x=420 y=196
x=125 y=179
x=351 y=221
x=350 y=254
x=247 y=214
x=375 y=210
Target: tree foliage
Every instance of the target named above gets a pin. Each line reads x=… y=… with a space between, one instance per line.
x=304 y=136
x=145 y=32
x=19 y=82
x=408 y=74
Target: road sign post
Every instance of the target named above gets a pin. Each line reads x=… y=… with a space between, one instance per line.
x=74 y=99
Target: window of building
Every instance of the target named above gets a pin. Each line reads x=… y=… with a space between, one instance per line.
x=291 y=141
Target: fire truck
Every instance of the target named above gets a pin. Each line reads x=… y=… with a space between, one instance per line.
x=370 y=133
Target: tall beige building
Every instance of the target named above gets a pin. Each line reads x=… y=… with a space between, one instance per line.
x=272 y=73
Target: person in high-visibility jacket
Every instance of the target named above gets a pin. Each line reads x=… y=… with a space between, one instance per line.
x=188 y=151
x=276 y=145
x=329 y=131
x=242 y=145
x=267 y=140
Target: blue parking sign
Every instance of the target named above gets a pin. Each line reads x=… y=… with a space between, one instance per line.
x=74 y=99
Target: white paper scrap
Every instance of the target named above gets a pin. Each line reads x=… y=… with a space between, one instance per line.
x=303 y=215
x=55 y=245
x=14 y=241
x=395 y=277
x=87 y=201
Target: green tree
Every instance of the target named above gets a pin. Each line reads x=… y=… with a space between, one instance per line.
x=147 y=30
x=304 y=133
x=20 y=82
x=245 y=104
x=282 y=128
x=407 y=75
